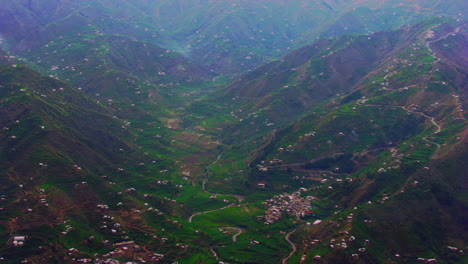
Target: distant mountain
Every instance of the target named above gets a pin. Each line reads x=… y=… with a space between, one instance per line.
x=230 y=36
x=117 y=67
x=332 y=67
x=223 y=36
x=86 y=46
x=4 y=57
x=28 y=24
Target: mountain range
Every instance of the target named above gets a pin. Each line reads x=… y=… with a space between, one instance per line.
x=223 y=36
x=233 y=131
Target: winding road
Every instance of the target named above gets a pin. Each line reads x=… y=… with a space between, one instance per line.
x=438 y=130
x=429 y=42
x=239 y=198
x=214 y=253
x=434 y=54
x=209 y=211
x=239 y=232
x=431 y=119
x=294 y=248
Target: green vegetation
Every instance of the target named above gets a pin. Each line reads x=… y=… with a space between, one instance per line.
x=369 y=129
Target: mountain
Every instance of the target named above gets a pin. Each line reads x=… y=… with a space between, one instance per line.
x=331 y=73
x=131 y=132
x=69 y=42
x=380 y=149
x=73 y=180
x=28 y=24
x=332 y=67
x=4 y=57
x=220 y=34
x=117 y=67
x=223 y=36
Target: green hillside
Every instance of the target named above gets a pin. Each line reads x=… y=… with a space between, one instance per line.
x=362 y=152
x=74 y=178
x=233 y=131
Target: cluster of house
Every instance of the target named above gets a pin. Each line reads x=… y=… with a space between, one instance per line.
x=126 y=249
x=122 y=248
x=344 y=243
x=454 y=249
x=18 y=241
x=68 y=228
x=107 y=261
x=42 y=197
x=83 y=260
x=102 y=206
x=108 y=223
x=131 y=250
x=214 y=197
x=265 y=166
x=425 y=260
x=162 y=182
x=286 y=204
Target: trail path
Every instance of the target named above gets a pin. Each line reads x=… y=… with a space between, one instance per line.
x=214 y=253
x=294 y=248
x=438 y=130
x=431 y=119
x=334 y=155
x=239 y=232
x=239 y=198
x=429 y=42
x=209 y=211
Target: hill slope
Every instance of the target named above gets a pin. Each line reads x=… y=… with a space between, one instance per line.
x=388 y=154
x=117 y=67
x=73 y=179
x=365 y=133
x=380 y=152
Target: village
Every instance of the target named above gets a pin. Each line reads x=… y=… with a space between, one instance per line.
x=286 y=204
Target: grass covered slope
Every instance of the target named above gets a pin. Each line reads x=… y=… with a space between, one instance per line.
x=389 y=157
x=53 y=138
x=383 y=159
x=74 y=184
x=117 y=68
x=370 y=130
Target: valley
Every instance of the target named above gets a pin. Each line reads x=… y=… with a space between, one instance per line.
x=179 y=132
